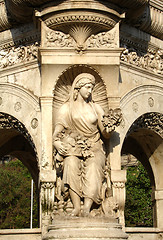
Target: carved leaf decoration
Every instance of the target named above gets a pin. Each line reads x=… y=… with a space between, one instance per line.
x=62 y=88
x=112 y=119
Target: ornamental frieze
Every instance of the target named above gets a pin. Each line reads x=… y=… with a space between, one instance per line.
x=151 y=60
x=59 y=39
x=16 y=55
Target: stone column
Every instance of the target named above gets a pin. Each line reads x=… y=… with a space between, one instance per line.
x=46 y=132
x=118 y=178
x=47 y=173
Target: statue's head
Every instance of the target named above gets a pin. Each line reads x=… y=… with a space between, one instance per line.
x=80 y=81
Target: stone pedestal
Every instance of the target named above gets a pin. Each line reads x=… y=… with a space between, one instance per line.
x=83 y=228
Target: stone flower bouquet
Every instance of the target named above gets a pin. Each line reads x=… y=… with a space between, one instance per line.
x=112 y=119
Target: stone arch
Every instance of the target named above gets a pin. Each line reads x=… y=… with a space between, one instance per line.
x=15 y=140
x=24 y=106
x=142 y=114
x=64 y=82
x=144 y=140
x=140 y=100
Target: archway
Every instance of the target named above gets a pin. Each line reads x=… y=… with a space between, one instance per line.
x=16 y=141
x=144 y=140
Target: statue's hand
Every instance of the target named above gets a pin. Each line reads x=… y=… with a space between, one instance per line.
x=109 y=129
x=61 y=147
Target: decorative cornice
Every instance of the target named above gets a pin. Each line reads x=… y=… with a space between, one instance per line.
x=150 y=21
x=63 y=21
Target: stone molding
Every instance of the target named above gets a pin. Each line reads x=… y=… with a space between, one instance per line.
x=140 y=90
x=150 y=21
x=103 y=21
x=21 y=92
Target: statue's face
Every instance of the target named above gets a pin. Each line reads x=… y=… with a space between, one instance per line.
x=86 y=91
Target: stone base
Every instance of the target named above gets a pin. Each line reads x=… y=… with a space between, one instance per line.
x=84 y=228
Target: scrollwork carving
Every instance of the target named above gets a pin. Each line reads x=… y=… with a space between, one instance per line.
x=47 y=185
x=58 y=39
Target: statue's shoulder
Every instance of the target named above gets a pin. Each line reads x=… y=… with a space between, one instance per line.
x=64 y=108
x=98 y=109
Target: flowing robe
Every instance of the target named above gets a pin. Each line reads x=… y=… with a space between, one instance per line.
x=84 y=162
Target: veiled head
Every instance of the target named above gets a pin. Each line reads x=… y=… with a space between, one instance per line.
x=83 y=79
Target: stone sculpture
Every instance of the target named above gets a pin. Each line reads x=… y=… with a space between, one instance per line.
x=80 y=151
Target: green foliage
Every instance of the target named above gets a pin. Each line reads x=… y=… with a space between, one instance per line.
x=15 y=190
x=138 y=208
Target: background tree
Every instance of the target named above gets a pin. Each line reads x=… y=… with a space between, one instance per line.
x=15 y=196
x=138 y=207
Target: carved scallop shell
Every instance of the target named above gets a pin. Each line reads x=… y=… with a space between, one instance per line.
x=63 y=85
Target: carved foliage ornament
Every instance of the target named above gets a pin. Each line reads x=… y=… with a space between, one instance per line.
x=60 y=40
x=151 y=60
x=9 y=122
x=152 y=121
x=16 y=55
